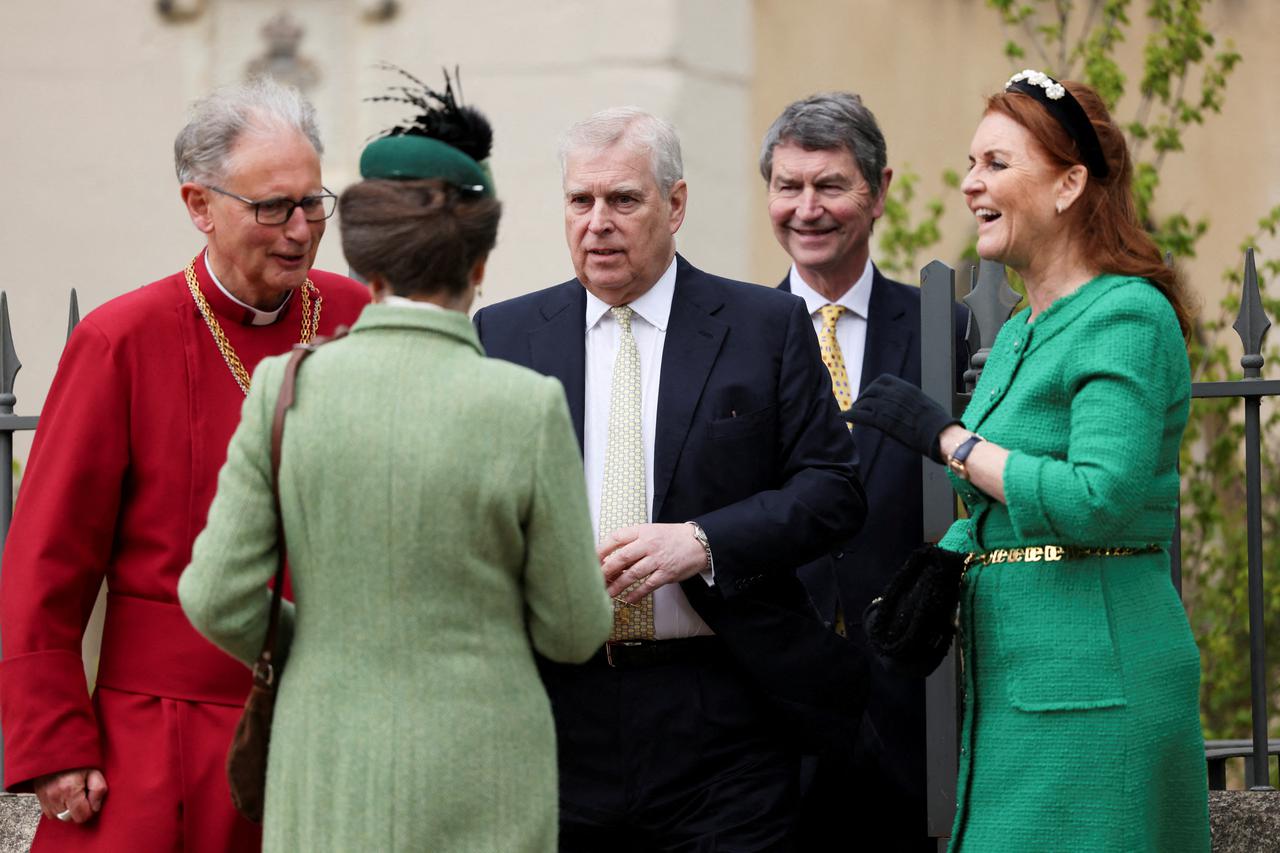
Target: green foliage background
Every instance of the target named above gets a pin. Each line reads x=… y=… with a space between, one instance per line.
x=1181 y=83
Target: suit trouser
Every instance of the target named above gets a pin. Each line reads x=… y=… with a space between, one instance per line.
x=164 y=762
x=872 y=797
x=676 y=756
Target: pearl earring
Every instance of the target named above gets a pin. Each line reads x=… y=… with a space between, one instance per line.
x=1060 y=207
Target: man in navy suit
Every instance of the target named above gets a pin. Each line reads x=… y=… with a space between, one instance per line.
x=824 y=160
x=707 y=399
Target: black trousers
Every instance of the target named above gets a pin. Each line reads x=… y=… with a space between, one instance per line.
x=871 y=797
x=674 y=756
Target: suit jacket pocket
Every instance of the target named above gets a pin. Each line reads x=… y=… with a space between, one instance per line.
x=1056 y=641
x=760 y=421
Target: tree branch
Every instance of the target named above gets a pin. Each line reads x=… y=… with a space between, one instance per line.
x=1063 y=8
x=1173 y=115
x=1035 y=42
x=1140 y=116
x=1094 y=7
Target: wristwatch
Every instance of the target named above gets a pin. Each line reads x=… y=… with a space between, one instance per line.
x=701 y=536
x=961 y=454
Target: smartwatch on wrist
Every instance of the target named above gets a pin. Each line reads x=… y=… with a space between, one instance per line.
x=959 y=456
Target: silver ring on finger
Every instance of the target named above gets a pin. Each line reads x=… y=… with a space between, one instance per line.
x=64 y=815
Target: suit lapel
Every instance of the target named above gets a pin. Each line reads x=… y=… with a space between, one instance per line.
x=557 y=347
x=693 y=341
x=885 y=351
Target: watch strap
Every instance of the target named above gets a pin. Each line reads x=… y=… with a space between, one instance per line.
x=961 y=455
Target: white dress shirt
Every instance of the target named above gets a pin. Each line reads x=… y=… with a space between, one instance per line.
x=672 y=614
x=851 y=328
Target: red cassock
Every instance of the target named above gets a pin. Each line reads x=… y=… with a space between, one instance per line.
x=121 y=474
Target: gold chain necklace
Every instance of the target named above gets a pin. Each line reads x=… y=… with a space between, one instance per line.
x=310 y=322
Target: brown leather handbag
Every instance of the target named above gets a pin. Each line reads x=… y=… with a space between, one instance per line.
x=247 y=757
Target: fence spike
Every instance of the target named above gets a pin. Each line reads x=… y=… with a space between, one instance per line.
x=73 y=317
x=1252 y=322
x=991 y=300
x=9 y=364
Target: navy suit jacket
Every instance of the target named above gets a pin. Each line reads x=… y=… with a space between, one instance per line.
x=750 y=445
x=891 y=474
x=860 y=568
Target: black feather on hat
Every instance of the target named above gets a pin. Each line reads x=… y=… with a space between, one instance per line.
x=450 y=122
x=428 y=144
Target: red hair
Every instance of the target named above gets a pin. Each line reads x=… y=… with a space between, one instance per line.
x=1111 y=236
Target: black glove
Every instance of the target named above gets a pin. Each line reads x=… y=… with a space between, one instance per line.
x=904 y=413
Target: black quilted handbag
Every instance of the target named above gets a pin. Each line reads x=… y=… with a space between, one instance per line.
x=911 y=625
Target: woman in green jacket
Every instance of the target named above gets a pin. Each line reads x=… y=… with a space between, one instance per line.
x=1081 y=685
x=438 y=535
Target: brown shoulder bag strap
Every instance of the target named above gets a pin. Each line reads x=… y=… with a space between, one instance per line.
x=264 y=673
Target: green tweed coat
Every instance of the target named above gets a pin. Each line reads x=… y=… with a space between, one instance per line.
x=438 y=533
x=1081 y=713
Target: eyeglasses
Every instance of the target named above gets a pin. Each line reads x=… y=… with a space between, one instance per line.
x=276 y=211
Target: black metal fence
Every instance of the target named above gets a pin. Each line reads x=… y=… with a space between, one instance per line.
x=991 y=301
x=11 y=423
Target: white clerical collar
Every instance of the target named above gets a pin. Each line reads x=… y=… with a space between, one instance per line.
x=856 y=298
x=654 y=305
x=405 y=302
x=260 y=317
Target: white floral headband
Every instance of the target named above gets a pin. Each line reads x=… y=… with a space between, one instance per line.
x=1066 y=110
x=1053 y=90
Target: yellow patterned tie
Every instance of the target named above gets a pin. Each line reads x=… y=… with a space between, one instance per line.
x=622 y=497
x=833 y=358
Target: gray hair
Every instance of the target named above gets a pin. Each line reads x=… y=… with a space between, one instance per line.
x=635 y=128
x=218 y=120
x=827 y=121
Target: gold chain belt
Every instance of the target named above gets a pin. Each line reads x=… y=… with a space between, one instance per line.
x=1051 y=554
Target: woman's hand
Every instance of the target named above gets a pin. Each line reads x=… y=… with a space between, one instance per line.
x=71 y=795
x=903 y=412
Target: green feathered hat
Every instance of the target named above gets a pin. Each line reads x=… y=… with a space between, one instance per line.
x=446 y=140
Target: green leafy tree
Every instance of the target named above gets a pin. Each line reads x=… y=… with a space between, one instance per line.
x=903 y=241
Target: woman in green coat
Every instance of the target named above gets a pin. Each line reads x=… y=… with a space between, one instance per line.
x=438 y=535
x=1081 y=678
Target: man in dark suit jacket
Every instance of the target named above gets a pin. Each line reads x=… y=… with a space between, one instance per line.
x=824 y=160
x=681 y=736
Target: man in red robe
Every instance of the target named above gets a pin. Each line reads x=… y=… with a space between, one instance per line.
x=121 y=474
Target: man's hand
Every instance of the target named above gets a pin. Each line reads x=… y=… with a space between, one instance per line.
x=652 y=554
x=80 y=792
